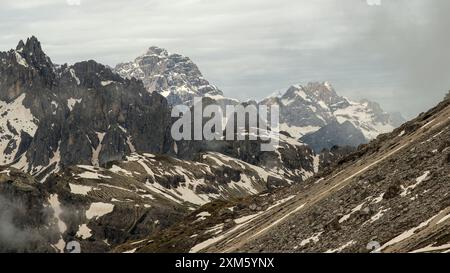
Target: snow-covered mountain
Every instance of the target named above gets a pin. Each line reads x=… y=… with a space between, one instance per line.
x=305 y=109
x=174 y=76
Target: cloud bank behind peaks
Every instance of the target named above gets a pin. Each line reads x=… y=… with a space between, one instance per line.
x=391 y=51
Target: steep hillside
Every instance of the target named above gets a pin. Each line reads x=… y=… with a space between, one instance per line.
x=391 y=195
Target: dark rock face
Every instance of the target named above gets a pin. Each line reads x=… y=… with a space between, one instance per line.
x=344 y=134
x=80 y=114
x=274 y=183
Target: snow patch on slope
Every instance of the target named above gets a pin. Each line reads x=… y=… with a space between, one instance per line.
x=15 y=119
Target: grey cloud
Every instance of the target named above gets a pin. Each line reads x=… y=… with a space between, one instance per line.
x=394 y=53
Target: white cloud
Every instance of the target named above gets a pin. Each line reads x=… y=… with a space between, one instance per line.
x=374 y=2
x=73 y=2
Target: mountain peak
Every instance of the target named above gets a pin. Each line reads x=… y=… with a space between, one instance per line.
x=32 y=45
x=373 y=105
x=328 y=86
x=155 y=50
x=174 y=76
x=319 y=87
x=319 y=91
x=32 y=51
x=33 y=41
x=20 y=45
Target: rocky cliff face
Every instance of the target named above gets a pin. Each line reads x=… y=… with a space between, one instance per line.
x=307 y=109
x=55 y=116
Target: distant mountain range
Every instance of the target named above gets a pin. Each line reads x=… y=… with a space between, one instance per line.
x=317 y=115
x=87 y=149
x=305 y=109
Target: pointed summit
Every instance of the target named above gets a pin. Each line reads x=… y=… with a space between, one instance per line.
x=20 y=46
x=313 y=91
x=154 y=50
x=31 y=55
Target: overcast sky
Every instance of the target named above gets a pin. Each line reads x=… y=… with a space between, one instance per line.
x=396 y=53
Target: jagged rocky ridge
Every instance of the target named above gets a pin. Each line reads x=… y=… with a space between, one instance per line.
x=391 y=195
x=317 y=109
x=56 y=116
